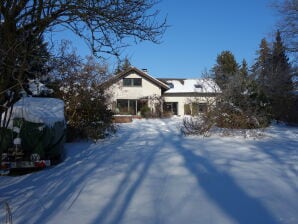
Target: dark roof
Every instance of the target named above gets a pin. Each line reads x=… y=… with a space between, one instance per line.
x=139 y=72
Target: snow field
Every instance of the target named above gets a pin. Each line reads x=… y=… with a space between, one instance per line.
x=150 y=174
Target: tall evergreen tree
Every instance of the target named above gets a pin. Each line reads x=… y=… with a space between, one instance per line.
x=261 y=71
x=38 y=60
x=225 y=68
x=122 y=66
x=244 y=69
x=240 y=102
x=262 y=67
x=272 y=72
x=281 y=86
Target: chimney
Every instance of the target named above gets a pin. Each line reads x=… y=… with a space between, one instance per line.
x=145 y=70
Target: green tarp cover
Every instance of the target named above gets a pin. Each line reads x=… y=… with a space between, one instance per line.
x=37 y=138
x=42 y=127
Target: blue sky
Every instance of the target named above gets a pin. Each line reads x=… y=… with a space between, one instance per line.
x=198 y=32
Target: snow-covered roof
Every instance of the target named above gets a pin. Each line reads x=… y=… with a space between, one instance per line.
x=191 y=86
x=39 y=110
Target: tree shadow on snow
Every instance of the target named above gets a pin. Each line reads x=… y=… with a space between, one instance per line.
x=222 y=189
x=39 y=196
x=64 y=183
x=114 y=211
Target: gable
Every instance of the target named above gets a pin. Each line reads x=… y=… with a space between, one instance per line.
x=134 y=73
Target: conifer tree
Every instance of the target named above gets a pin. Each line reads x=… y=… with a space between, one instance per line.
x=281 y=86
x=240 y=102
x=122 y=66
x=260 y=83
x=262 y=67
x=38 y=60
x=244 y=69
x=272 y=72
x=225 y=68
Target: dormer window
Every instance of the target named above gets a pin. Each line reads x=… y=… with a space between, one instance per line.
x=198 y=86
x=171 y=86
x=132 y=82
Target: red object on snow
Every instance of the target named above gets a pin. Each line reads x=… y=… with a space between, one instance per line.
x=40 y=164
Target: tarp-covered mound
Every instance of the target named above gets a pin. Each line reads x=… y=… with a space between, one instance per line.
x=41 y=125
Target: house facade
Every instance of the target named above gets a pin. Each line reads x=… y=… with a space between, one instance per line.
x=134 y=89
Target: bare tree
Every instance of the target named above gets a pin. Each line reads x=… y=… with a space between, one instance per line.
x=105 y=25
x=288 y=25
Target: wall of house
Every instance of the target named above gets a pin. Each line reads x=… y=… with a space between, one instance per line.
x=122 y=92
x=182 y=100
x=147 y=90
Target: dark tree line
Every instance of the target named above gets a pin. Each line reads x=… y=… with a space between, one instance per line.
x=250 y=97
x=241 y=103
x=269 y=84
x=274 y=74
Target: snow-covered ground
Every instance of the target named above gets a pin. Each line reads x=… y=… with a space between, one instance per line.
x=150 y=174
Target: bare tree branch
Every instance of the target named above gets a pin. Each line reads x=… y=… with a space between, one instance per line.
x=106 y=25
x=288 y=26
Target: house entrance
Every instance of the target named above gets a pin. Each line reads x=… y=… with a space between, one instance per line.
x=171 y=107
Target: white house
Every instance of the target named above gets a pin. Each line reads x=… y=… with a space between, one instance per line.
x=189 y=96
x=133 y=89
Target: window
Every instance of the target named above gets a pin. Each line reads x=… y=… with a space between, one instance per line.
x=127 y=106
x=198 y=108
x=198 y=86
x=126 y=82
x=187 y=109
x=171 y=107
x=202 y=107
x=137 y=82
x=171 y=86
x=132 y=82
x=122 y=106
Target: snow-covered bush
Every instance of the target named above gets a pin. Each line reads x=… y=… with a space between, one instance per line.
x=199 y=125
x=240 y=105
x=86 y=109
x=230 y=116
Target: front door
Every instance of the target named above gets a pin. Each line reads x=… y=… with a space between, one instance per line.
x=171 y=107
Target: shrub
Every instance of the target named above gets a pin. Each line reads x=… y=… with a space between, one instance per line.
x=86 y=103
x=229 y=116
x=145 y=111
x=199 y=125
x=202 y=124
